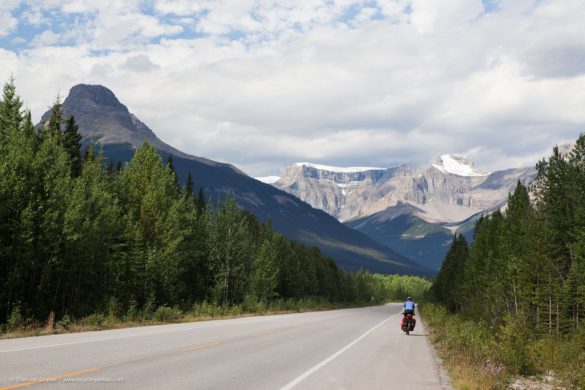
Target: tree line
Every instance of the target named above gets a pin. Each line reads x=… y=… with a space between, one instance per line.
x=527 y=265
x=78 y=233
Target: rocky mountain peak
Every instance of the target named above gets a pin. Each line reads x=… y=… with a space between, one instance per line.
x=96 y=94
x=457 y=165
x=102 y=118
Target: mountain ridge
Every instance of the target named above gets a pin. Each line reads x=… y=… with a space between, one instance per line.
x=439 y=199
x=446 y=192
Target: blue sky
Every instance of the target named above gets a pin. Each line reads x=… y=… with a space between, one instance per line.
x=265 y=83
x=30 y=19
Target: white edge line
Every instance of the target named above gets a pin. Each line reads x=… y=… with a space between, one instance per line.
x=310 y=371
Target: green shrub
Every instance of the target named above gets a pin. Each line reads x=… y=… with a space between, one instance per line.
x=252 y=304
x=148 y=309
x=64 y=322
x=112 y=310
x=167 y=314
x=132 y=313
x=96 y=319
x=564 y=356
x=234 y=310
x=512 y=347
x=15 y=319
x=206 y=309
x=458 y=336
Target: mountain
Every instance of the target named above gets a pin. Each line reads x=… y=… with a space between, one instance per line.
x=457 y=165
x=411 y=210
x=399 y=227
x=103 y=119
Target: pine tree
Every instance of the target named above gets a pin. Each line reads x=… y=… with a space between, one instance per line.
x=557 y=209
x=576 y=282
x=111 y=168
x=200 y=203
x=10 y=109
x=17 y=187
x=522 y=261
x=53 y=126
x=28 y=128
x=45 y=221
x=577 y=179
x=450 y=282
x=92 y=228
x=189 y=186
x=72 y=143
x=291 y=278
x=229 y=252
x=196 y=275
x=171 y=166
x=157 y=224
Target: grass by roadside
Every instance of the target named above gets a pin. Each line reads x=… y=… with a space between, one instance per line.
x=478 y=357
x=112 y=318
x=464 y=348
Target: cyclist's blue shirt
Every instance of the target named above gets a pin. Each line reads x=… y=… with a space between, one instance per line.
x=409 y=305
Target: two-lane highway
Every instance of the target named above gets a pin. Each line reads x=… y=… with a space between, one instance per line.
x=339 y=349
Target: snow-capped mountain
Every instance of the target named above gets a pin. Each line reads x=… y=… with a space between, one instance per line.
x=403 y=202
x=457 y=165
x=447 y=192
x=268 y=179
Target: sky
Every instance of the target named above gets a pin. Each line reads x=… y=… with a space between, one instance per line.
x=263 y=83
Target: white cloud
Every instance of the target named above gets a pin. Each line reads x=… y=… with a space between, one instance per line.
x=18 y=41
x=140 y=63
x=46 y=38
x=177 y=7
x=313 y=81
x=430 y=14
x=7 y=21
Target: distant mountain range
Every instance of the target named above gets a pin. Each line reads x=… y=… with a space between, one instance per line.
x=103 y=119
x=414 y=211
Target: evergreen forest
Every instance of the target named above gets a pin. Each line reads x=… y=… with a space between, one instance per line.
x=522 y=280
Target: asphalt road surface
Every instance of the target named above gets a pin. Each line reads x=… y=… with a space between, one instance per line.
x=339 y=349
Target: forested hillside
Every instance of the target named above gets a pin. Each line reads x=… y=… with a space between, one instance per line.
x=523 y=278
x=79 y=237
x=103 y=119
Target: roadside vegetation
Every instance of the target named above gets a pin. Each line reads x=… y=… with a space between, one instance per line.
x=88 y=244
x=392 y=288
x=513 y=303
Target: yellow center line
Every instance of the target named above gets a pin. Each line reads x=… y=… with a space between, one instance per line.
x=196 y=347
x=49 y=379
x=267 y=333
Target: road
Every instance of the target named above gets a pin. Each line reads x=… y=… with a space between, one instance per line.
x=340 y=349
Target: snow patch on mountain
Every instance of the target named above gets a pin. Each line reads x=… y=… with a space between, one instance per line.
x=338 y=169
x=268 y=179
x=457 y=165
